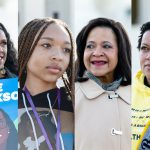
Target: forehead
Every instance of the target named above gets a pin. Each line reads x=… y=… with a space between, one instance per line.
x=146 y=37
x=102 y=32
x=56 y=31
x=2 y=34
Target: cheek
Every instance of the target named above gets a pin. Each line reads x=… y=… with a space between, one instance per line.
x=67 y=60
x=142 y=60
x=86 y=58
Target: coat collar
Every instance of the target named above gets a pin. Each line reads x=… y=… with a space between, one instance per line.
x=92 y=90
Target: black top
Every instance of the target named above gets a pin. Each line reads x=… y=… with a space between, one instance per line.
x=26 y=136
x=40 y=100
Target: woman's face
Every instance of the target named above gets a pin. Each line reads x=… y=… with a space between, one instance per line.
x=3 y=48
x=145 y=55
x=101 y=53
x=51 y=55
x=3 y=129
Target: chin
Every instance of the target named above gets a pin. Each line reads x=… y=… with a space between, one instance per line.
x=98 y=74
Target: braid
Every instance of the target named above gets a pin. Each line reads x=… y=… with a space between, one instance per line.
x=27 y=42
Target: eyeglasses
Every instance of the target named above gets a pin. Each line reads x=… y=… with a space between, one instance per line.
x=3 y=123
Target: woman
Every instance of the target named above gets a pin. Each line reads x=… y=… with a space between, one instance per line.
x=8 y=59
x=8 y=132
x=102 y=90
x=46 y=53
x=141 y=89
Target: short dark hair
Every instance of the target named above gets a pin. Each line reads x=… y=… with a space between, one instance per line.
x=11 y=61
x=145 y=27
x=124 y=55
x=27 y=41
x=12 y=141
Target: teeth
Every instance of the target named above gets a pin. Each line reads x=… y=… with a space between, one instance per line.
x=98 y=62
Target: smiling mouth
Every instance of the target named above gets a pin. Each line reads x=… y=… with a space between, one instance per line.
x=98 y=63
x=1 y=57
x=147 y=66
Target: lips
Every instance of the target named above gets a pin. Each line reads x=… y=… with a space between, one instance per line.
x=147 y=66
x=1 y=56
x=98 y=62
x=55 y=69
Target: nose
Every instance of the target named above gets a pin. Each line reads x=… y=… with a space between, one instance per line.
x=98 y=52
x=57 y=54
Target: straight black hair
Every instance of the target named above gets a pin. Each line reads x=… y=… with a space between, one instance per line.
x=145 y=27
x=123 y=68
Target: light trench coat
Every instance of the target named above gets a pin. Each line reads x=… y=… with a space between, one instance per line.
x=102 y=118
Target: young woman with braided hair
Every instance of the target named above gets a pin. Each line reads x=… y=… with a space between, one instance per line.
x=46 y=53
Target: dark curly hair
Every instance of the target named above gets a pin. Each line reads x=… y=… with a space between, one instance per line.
x=124 y=55
x=145 y=27
x=11 y=61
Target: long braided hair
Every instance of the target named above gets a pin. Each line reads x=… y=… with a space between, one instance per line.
x=27 y=41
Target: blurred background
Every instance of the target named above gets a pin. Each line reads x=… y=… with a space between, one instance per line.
x=14 y=14
x=9 y=18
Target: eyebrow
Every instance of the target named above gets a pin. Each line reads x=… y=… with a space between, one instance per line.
x=144 y=44
x=51 y=39
x=102 y=42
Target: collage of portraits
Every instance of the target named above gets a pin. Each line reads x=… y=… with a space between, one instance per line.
x=74 y=75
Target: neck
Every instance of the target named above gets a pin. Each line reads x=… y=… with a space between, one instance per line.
x=147 y=81
x=106 y=80
x=1 y=75
x=37 y=86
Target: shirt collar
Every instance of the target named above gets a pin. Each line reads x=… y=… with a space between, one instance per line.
x=92 y=90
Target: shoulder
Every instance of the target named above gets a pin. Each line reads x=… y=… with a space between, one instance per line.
x=90 y=89
x=66 y=101
x=124 y=93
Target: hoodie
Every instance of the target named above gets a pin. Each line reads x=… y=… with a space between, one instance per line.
x=26 y=133
x=140 y=108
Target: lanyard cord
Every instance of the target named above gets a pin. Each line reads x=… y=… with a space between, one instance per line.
x=40 y=122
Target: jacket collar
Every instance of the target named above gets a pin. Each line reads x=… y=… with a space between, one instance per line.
x=92 y=90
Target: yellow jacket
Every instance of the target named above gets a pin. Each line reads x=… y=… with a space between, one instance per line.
x=140 y=108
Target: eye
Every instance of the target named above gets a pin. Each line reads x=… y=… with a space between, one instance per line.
x=107 y=46
x=144 y=48
x=67 y=50
x=90 y=46
x=3 y=43
x=47 y=45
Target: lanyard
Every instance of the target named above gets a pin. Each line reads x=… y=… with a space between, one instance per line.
x=40 y=122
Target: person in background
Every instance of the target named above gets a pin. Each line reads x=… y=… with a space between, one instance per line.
x=141 y=91
x=102 y=89
x=8 y=55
